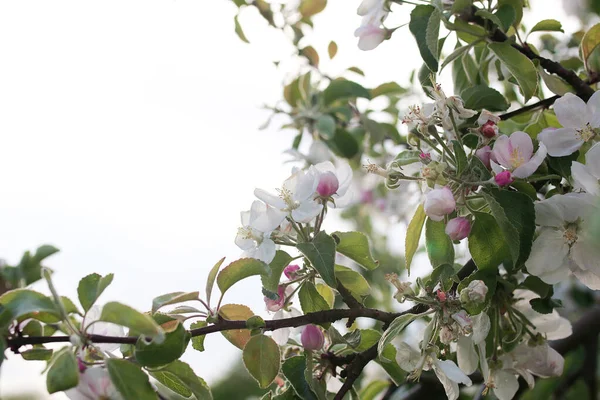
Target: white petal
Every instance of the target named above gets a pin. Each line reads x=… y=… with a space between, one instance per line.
x=570 y=111
x=532 y=165
x=523 y=143
x=453 y=372
x=370 y=37
x=560 y=142
x=407 y=357
x=593 y=110
x=503 y=151
x=266 y=251
x=592 y=159
x=465 y=355
x=367 y=6
x=344 y=175
x=451 y=387
x=547 y=213
x=270 y=199
x=588 y=278
x=506 y=385
x=307 y=211
x=583 y=179
x=269 y=220
x=548 y=253
x=481 y=327
x=586 y=253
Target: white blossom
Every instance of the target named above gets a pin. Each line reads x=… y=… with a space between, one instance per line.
x=580 y=121
x=94 y=384
x=254 y=242
x=466 y=354
x=515 y=153
x=587 y=177
x=281 y=336
x=551 y=325
x=370 y=32
x=564 y=245
x=343 y=173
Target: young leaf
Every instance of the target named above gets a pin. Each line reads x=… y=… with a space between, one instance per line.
x=172 y=298
x=423 y=22
x=356 y=284
x=343 y=89
x=326 y=126
x=172 y=381
x=310 y=299
x=198 y=341
x=332 y=49
x=439 y=245
x=91 y=287
x=271 y=281
x=123 y=315
x=153 y=354
x=327 y=293
x=519 y=66
x=37 y=354
x=130 y=380
x=210 y=281
x=413 y=235
x=236 y=312
x=262 y=359
x=293 y=369
x=239 y=31
x=321 y=254
x=486 y=243
x=20 y=302
x=388 y=88
x=407 y=157
x=238 y=270
x=550 y=25
x=461 y=156
x=394 y=330
x=186 y=375
x=63 y=373
x=308 y=8
x=590 y=41
x=355 y=245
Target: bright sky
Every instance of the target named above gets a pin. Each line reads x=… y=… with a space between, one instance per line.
x=128 y=139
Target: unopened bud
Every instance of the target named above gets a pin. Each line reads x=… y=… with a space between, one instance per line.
x=475 y=292
x=328 y=184
x=489 y=129
x=438 y=203
x=291 y=271
x=312 y=338
x=458 y=228
x=504 y=178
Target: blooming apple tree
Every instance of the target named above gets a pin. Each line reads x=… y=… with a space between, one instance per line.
x=505 y=203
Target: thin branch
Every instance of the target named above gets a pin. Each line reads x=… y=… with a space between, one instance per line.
x=354 y=369
x=540 y=104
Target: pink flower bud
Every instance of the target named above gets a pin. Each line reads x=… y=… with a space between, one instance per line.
x=484 y=155
x=458 y=228
x=312 y=338
x=441 y=295
x=503 y=178
x=438 y=203
x=290 y=271
x=489 y=129
x=276 y=305
x=328 y=184
x=425 y=157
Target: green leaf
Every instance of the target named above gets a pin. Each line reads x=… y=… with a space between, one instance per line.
x=590 y=41
x=130 y=380
x=326 y=126
x=407 y=157
x=310 y=299
x=63 y=373
x=373 y=389
x=486 y=243
x=491 y=17
x=413 y=235
x=20 y=302
x=343 y=89
x=355 y=246
x=490 y=278
x=154 y=354
x=388 y=88
x=198 y=341
x=517 y=6
x=321 y=254
x=461 y=156
x=353 y=281
x=424 y=25
x=332 y=49
x=507 y=15
x=439 y=246
x=327 y=293
x=239 y=31
x=186 y=375
x=172 y=381
x=91 y=287
x=271 y=281
x=391 y=367
x=515 y=214
x=123 y=315
x=556 y=84
x=172 y=298
x=458 y=51
x=538 y=286
x=262 y=359
x=236 y=312
x=210 y=281
x=551 y=25
x=545 y=306
x=344 y=144
x=238 y=270
x=394 y=330
x=519 y=66
x=37 y=354
x=481 y=96
x=308 y=8
x=443 y=274
x=293 y=369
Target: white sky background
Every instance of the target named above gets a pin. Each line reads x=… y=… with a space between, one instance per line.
x=128 y=139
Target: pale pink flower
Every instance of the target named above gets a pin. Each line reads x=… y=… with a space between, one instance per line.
x=439 y=203
x=515 y=153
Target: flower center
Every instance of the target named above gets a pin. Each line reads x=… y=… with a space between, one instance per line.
x=570 y=234
x=287 y=196
x=516 y=158
x=247 y=233
x=587 y=132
